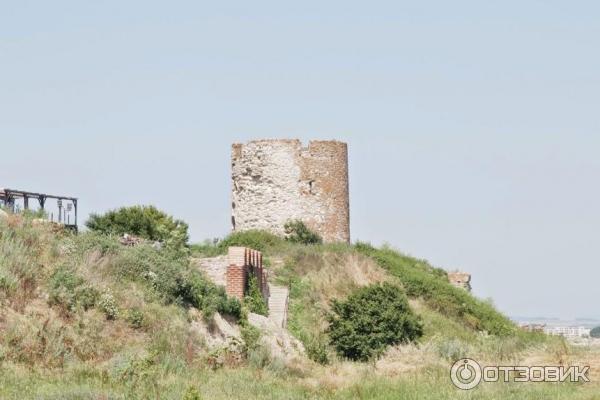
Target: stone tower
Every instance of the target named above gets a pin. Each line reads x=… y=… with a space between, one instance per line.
x=279 y=180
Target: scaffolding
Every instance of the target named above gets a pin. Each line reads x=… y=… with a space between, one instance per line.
x=65 y=204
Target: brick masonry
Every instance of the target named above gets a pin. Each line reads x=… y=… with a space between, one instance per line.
x=274 y=181
x=244 y=262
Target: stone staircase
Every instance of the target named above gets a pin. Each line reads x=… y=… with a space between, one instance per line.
x=278 y=305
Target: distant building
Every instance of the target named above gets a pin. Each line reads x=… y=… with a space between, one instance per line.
x=568 y=331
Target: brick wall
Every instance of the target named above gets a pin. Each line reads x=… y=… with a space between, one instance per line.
x=244 y=262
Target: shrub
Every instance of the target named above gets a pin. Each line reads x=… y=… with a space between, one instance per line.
x=86 y=296
x=250 y=335
x=316 y=350
x=191 y=394
x=595 y=333
x=144 y=221
x=254 y=300
x=108 y=305
x=70 y=291
x=255 y=239
x=297 y=232
x=135 y=317
x=371 y=319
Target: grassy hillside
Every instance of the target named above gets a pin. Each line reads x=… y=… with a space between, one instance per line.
x=83 y=317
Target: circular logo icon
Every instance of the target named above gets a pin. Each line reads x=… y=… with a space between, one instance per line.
x=465 y=374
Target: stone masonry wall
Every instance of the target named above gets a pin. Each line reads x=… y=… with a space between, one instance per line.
x=279 y=180
x=460 y=279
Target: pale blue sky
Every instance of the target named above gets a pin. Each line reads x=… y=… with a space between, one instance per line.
x=473 y=127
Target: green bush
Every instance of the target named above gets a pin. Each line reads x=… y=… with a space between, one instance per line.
x=250 y=335
x=316 y=350
x=371 y=319
x=420 y=280
x=595 y=333
x=108 y=305
x=254 y=299
x=86 y=296
x=144 y=221
x=191 y=394
x=135 y=317
x=255 y=239
x=70 y=291
x=297 y=232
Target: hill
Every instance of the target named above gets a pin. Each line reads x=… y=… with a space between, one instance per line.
x=84 y=317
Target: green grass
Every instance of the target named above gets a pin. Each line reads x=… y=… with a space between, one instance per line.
x=247 y=383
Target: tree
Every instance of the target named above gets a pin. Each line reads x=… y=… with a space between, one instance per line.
x=595 y=333
x=371 y=319
x=144 y=221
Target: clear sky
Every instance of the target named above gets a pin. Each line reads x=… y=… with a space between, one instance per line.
x=473 y=127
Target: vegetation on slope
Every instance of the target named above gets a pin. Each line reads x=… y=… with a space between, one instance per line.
x=82 y=317
x=420 y=280
x=69 y=299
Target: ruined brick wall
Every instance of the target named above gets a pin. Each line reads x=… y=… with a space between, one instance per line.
x=279 y=180
x=244 y=262
x=460 y=279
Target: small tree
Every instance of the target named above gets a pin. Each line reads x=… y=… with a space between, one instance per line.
x=144 y=221
x=595 y=333
x=297 y=232
x=371 y=319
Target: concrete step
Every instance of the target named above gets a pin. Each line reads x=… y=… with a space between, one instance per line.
x=278 y=304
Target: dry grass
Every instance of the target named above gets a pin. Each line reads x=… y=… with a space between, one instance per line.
x=336 y=275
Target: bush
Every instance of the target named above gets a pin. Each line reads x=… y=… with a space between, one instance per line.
x=317 y=351
x=371 y=319
x=250 y=335
x=255 y=239
x=595 y=333
x=108 y=305
x=254 y=300
x=135 y=317
x=191 y=394
x=70 y=291
x=297 y=232
x=144 y=221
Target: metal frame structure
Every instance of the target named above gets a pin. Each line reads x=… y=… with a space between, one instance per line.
x=8 y=197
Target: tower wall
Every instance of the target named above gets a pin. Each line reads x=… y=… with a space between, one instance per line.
x=279 y=180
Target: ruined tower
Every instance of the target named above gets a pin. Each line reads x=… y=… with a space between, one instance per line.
x=279 y=180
